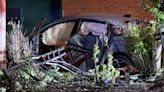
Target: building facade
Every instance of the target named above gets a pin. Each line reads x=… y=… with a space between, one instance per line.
x=121 y=7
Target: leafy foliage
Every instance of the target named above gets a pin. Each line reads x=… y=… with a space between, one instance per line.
x=105 y=71
x=108 y=70
x=139 y=43
x=96 y=51
x=18 y=46
x=28 y=77
x=157 y=13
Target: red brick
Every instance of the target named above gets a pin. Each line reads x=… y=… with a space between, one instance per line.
x=76 y=7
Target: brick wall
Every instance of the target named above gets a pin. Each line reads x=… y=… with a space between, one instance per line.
x=76 y=7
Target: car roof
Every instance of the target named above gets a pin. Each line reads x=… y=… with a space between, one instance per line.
x=113 y=19
x=110 y=18
x=99 y=17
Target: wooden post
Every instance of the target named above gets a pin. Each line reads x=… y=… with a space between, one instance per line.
x=2 y=34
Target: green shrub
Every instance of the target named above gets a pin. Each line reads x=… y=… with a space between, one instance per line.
x=139 y=41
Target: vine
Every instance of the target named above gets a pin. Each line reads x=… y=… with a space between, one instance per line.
x=106 y=72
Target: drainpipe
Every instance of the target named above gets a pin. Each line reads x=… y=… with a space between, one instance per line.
x=160 y=47
x=3 y=34
x=158 y=58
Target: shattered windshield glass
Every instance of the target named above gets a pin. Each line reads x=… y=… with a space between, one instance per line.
x=58 y=34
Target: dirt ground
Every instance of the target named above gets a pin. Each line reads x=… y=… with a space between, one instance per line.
x=84 y=86
x=81 y=87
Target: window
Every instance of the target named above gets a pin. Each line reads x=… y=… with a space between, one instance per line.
x=93 y=27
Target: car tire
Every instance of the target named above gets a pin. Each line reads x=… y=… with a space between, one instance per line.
x=124 y=63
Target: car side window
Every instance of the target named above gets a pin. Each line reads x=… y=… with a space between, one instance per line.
x=86 y=37
x=93 y=27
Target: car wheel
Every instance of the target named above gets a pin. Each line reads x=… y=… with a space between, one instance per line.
x=124 y=64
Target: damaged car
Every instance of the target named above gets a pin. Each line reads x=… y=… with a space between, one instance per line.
x=78 y=34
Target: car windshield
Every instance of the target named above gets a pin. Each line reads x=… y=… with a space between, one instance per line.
x=58 y=34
